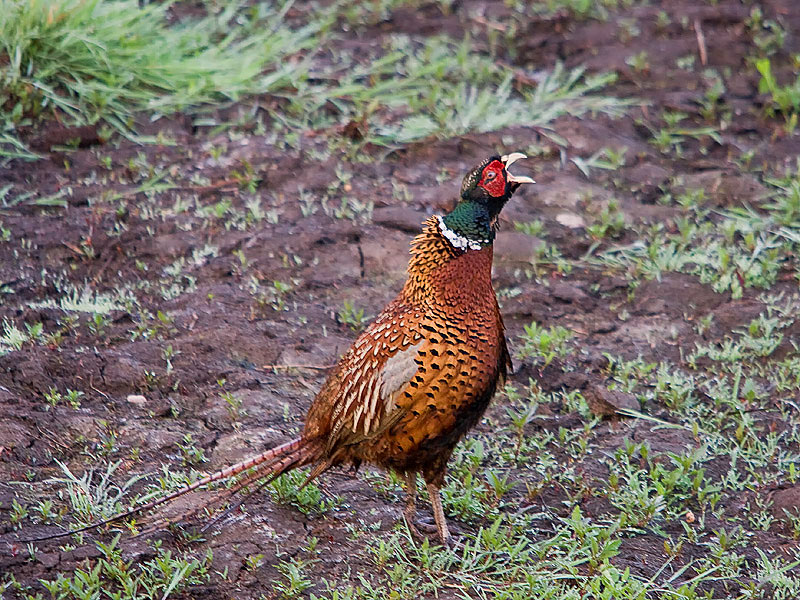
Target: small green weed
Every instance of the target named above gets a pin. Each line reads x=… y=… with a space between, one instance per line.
x=783 y=98
x=71 y=397
x=160 y=577
x=286 y=489
x=192 y=455
x=534 y=228
x=351 y=316
x=545 y=344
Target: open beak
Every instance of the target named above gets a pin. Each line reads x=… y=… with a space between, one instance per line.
x=510 y=159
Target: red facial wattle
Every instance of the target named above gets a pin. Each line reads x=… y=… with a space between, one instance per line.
x=494 y=184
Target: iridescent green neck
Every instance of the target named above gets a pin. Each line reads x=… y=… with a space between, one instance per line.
x=468 y=226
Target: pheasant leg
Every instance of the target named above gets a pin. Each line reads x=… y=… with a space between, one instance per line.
x=438 y=514
x=410 y=511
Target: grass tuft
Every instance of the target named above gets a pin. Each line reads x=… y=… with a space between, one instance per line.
x=84 y=61
x=442 y=89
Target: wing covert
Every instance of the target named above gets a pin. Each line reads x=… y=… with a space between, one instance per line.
x=379 y=367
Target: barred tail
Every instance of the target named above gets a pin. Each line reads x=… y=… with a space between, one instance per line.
x=265 y=474
x=278 y=460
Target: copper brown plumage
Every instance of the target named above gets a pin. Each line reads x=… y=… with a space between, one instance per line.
x=423 y=372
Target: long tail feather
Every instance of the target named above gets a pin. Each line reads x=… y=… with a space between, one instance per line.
x=270 y=470
x=264 y=475
x=295 y=452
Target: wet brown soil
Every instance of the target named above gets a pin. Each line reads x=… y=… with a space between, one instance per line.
x=203 y=278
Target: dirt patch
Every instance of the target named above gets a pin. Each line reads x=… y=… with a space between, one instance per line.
x=224 y=317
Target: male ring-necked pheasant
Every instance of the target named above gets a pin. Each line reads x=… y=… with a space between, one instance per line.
x=422 y=374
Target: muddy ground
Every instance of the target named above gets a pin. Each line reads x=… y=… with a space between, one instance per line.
x=196 y=315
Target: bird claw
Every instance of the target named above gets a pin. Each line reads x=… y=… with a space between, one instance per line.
x=425 y=529
x=455 y=542
x=427 y=525
x=416 y=535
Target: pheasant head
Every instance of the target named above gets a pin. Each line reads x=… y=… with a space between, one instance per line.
x=484 y=192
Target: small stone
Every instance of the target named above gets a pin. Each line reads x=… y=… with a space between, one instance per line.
x=689 y=517
x=137 y=400
x=656 y=307
x=571 y=220
x=603 y=326
x=48 y=559
x=785 y=502
x=606 y=403
x=647 y=174
x=568 y=292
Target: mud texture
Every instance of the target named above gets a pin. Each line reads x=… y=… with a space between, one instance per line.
x=208 y=318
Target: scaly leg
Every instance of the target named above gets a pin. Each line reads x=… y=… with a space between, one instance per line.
x=410 y=512
x=438 y=514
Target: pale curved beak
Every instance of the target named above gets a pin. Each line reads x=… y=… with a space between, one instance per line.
x=510 y=159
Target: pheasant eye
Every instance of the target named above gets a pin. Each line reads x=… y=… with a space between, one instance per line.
x=490 y=175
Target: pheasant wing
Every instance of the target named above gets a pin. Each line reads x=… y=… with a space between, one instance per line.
x=366 y=389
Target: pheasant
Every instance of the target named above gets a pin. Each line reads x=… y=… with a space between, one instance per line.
x=421 y=374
